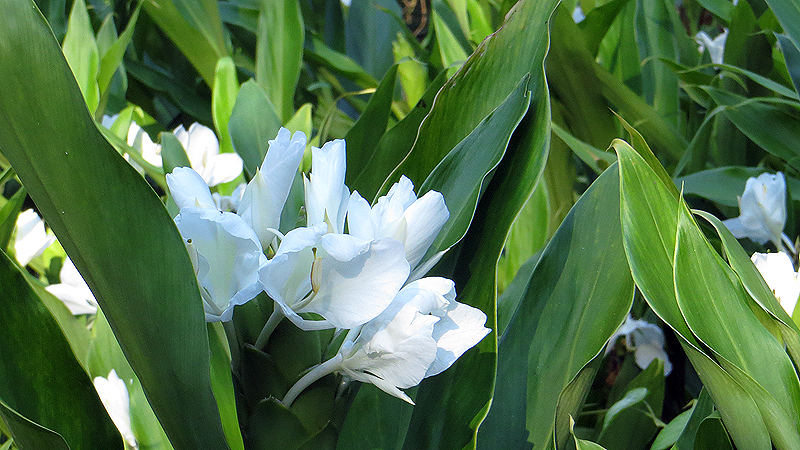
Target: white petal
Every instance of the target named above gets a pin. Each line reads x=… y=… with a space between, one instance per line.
x=424 y=219
x=359 y=217
x=31 y=238
x=325 y=191
x=113 y=392
x=231 y=202
x=778 y=272
x=762 y=209
x=357 y=287
x=73 y=290
x=645 y=354
x=461 y=329
x=266 y=193
x=222 y=168
x=188 y=189
x=234 y=256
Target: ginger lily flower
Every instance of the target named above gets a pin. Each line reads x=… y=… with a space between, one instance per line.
x=113 y=392
x=346 y=280
x=325 y=191
x=762 y=209
x=31 y=239
x=716 y=46
x=420 y=334
x=226 y=256
x=265 y=195
x=73 y=290
x=400 y=215
x=645 y=339
x=202 y=148
x=778 y=271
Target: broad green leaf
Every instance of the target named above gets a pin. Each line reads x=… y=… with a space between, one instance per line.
x=669 y=434
x=183 y=96
x=791 y=55
x=571 y=399
x=192 y=43
x=317 y=52
x=253 y=124
x=172 y=153
x=386 y=417
x=279 y=53
x=701 y=409
x=40 y=378
x=720 y=8
x=395 y=144
x=788 y=14
x=222 y=383
x=455 y=402
x=54 y=12
x=582 y=444
x=711 y=435
x=80 y=50
x=526 y=238
x=8 y=216
x=649 y=214
x=365 y=134
x=461 y=175
x=412 y=73
x=631 y=398
x=97 y=205
x=203 y=16
x=369 y=32
x=459 y=7
x=550 y=340
x=597 y=159
x=490 y=74
x=28 y=435
x=223 y=97
x=750 y=117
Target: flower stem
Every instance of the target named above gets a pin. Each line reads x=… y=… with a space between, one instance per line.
x=233 y=342
x=313 y=375
x=273 y=321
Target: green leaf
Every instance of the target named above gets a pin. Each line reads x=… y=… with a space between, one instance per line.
x=562 y=293
x=791 y=55
x=656 y=39
x=279 y=53
x=369 y=32
x=701 y=409
x=450 y=51
x=111 y=224
x=650 y=214
x=80 y=50
x=365 y=134
x=203 y=16
x=253 y=123
x=223 y=97
x=395 y=144
x=750 y=117
x=172 y=153
x=724 y=184
x=222 y=383
x=27 y=381
x=711 y=435
x=788 y=14
x=490 y=74
x=317 y=52
x=28 y=435
x=113 y=57
x=669 y=434
x=8 y=216
x=582 y=444
x=460 y=175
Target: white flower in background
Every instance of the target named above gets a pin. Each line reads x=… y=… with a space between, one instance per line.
x=326 y=195
x=114 y=394
x=108 y=121
x=263 y=199
x=31 y=238
x=229 y=203
x=419 y=335
x=140 y=140
x=226 y=256
x=778 y=271
x=716 y=46
x=645 y=339
x=73 y=290
x=346 y=280
x=402 y=216
x=202 y=149
x=762 y=211
x=577 y=14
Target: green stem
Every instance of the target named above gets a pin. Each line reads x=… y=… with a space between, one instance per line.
x=233 y=342
x=273 y=321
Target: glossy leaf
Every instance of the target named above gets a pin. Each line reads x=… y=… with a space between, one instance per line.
x=562 y=293
x=223 y=97
x=30 y=361
x=80 y=50
x=97 y=204
x=28 y=435
x=253 y=123
x=369 y=32
x=279 y=53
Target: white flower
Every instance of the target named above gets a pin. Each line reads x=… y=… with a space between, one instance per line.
x=266 y=193
x=73 y=290
x=577 y=14
x=402 y=216
x=419 y=335
x=202 y=149
x=114 y=394
x=716 y=46
x=645 y=339
x=140 y=140
x=229 y=203
x=31 y=239
x=344 y=279
x=762 y=209
x=778 y=272
x=325 y=191
x=226 y=256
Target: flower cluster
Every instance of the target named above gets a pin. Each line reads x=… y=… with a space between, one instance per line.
x=352 y=267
